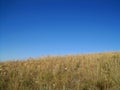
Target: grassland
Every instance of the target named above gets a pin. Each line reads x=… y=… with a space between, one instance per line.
x=100 y=71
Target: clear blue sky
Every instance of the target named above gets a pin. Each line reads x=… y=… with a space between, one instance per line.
x=32 y=28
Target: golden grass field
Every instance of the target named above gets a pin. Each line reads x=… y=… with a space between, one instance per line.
x=98 y=71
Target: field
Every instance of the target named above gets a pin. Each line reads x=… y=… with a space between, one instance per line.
x=98 y=71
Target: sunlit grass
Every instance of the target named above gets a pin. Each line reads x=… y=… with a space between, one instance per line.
x=99 y=71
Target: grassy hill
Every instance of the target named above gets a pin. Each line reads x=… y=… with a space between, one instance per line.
x=100 y=71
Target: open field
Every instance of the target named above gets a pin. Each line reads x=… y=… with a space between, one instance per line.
x=99 y=71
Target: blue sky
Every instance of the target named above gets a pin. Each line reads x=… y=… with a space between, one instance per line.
x=33 y=28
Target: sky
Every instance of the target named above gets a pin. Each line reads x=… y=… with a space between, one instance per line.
x=34 y=28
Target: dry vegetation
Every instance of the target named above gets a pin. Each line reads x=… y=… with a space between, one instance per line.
x=99 y=71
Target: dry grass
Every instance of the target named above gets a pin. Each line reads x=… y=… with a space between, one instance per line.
x=99 y=71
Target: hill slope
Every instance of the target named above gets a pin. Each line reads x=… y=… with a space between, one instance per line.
x=100 y=71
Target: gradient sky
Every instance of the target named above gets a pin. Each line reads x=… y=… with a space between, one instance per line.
x=32 y=28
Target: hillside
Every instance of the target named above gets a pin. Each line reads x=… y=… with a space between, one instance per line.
x=99 y=71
